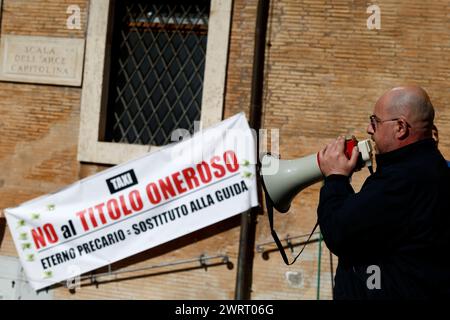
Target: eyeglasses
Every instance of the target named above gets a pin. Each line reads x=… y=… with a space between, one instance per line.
x=374 y=121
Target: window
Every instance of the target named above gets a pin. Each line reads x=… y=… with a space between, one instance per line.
x=158 y=58
x=162 y=67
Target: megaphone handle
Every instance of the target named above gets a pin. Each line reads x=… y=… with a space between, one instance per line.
x=277 y=240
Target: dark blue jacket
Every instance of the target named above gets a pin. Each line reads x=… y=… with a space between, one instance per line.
x=399 y=222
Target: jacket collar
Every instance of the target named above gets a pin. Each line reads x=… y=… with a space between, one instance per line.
x=419 y=147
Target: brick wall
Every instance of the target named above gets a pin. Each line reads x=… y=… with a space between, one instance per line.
x=324 y=72
x=41 y=18
x=38 y=152
x=39 y=123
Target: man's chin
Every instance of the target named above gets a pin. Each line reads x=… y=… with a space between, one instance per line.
x=375 y=148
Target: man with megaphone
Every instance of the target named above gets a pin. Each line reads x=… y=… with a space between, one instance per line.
x=392 y=237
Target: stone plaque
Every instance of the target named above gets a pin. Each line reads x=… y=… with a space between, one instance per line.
x=46 y=60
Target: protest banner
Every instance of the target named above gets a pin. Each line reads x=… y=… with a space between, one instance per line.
x=138 y=205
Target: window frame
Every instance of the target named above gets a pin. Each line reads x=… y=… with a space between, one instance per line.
x=96 y=79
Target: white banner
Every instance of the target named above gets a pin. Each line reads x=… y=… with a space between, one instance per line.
x=137 y=205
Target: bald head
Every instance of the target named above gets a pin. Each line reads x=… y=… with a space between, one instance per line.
x=403 y=116
x=413 y=103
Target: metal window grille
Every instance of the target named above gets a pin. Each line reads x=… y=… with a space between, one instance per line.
x=157 y=69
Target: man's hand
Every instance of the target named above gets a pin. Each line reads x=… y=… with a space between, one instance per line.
x=333 y=160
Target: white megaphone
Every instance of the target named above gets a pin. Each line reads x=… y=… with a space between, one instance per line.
x=283 y=179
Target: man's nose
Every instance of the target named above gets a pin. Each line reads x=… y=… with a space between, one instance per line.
x=370 y=129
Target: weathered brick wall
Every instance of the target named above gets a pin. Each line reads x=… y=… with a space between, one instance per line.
x=41 y=18
x=324 y=72
x=38 y=123
x=38 y=155
x=240 y=59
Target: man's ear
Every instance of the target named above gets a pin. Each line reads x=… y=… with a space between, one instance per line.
x=402 y=129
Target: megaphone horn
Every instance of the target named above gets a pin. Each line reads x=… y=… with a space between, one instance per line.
x=282 y=180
